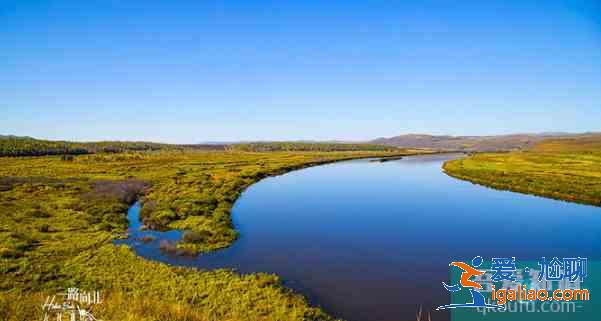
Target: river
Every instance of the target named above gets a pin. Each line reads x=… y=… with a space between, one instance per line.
x=371 y=241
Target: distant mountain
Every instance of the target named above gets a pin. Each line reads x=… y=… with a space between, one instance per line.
x=469 y=143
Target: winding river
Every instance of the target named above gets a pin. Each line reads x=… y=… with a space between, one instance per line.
x=372 y=240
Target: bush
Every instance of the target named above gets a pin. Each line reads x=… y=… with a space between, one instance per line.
x=147 y=238
x=126 y=191
x=196 y=236
x=168 y=247
x=148 y=207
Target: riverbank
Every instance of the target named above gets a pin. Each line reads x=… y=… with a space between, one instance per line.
x=59 y=217
x=573 y=176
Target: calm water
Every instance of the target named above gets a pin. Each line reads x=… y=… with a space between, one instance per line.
x=372 y=241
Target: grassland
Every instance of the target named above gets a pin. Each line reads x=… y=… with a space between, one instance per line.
x=59 y=216
x=566 y=169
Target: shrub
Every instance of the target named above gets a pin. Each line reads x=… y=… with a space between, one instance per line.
x=148 y=207
x=168 y=247
x=147 y=238
x=196 y=236
x=126 y=191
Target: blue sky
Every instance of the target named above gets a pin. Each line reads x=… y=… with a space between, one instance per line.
x=192 y=71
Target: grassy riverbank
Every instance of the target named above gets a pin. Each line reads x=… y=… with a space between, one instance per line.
x=58 y=217
x=565 y=169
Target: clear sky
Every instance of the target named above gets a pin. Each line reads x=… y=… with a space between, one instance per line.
x=192 y=71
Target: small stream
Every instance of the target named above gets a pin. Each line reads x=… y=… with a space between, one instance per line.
x=146 y=242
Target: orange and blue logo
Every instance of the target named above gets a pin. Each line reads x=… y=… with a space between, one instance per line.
x=465 y=283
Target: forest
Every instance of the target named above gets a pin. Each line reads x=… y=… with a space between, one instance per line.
x=308 y=146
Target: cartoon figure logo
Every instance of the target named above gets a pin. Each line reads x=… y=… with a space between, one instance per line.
x=465 y=282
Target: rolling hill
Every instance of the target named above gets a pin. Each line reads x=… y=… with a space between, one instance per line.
x=471 y=143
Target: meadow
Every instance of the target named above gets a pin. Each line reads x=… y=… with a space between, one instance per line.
x=59 y=216
x=565 y=169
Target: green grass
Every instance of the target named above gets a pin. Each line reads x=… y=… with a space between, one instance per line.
x=58 y=218
x=564 y=169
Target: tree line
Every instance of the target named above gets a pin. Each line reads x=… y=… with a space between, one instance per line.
x=308 y=146
x=27 y=146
